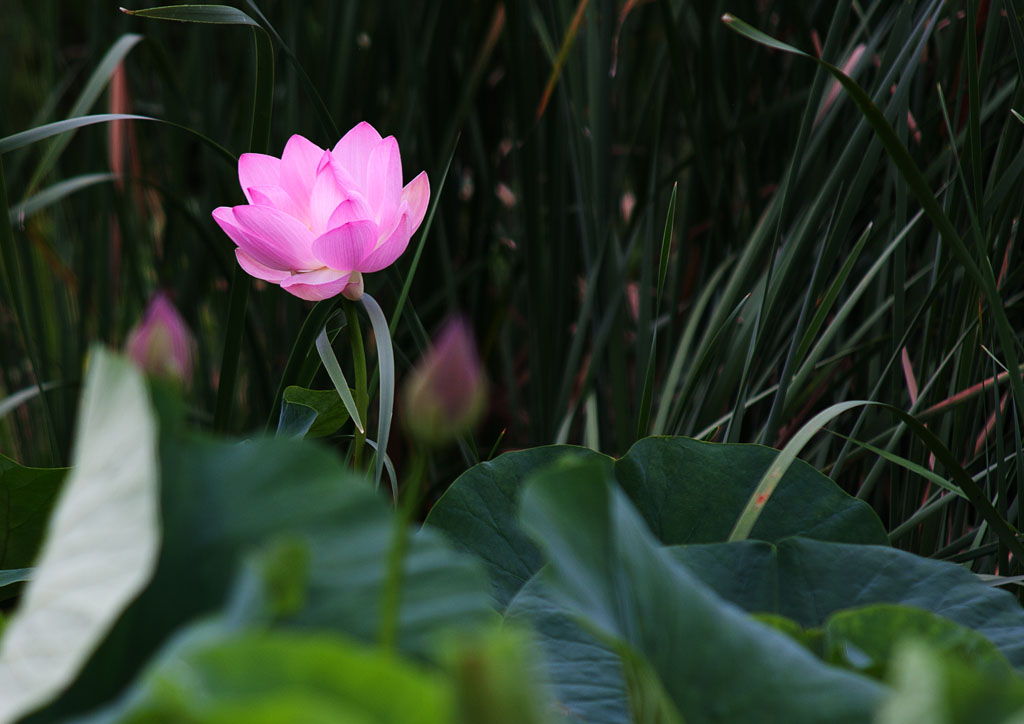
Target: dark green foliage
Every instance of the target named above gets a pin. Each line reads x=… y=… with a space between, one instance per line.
x=26 y=498
x=687 y=492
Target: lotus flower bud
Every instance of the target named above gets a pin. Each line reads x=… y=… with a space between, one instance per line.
x=446 y=393
x=161 y=344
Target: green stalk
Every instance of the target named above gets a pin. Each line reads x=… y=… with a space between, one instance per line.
x=388 y=633
x=355 y=337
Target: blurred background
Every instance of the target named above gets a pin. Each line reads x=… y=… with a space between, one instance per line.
x=795 y=251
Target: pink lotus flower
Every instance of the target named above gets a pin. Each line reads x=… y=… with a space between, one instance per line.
x=317 y=220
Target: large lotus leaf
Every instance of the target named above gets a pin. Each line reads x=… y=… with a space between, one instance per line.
x=208 y=676
x=223 y=501
x=27 y=496
x=808 y=580
x=716 y=663
x=584 y=673
x=687 y=491
x=690 y=491
x=480 y=513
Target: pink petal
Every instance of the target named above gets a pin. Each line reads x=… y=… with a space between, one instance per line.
x=255 y=269
x=343 y=177
x=326 y=196
x=384 y=179
x=279 y=236
x=257 y=169
x=299 y=163
x=352 y=209
x=275 y=197
x=343 y=248
x=254 y=246
x=317 y=285
x=389 y=249
x=353 y=151
x=417 y=194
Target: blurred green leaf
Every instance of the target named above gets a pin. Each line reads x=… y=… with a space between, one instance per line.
x=494 y=680
x=930 y=686
x=15 y=575
x=101 y=546
x=207 y=675
x=221 y=501
x=865 y=639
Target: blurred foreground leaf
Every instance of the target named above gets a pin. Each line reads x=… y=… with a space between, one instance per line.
x=223 y=502
x=866 y=638
x=101 y=545
x=933 y=687
x=208 y=675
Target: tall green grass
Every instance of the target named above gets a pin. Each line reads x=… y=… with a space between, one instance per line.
x=796 y=272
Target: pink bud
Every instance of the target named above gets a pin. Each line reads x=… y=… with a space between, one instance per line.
x=446 y=394
x=162 y=344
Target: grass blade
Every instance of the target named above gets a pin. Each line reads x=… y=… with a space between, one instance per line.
x=981 y=275
x=644 y=416
x=39 y=133
x=93 y=87
x=327 y=356
x=386 y=365
x=208 y=14
x=55 y=193
x=770 y=480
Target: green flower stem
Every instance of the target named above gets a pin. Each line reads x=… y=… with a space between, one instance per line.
x=355 y=336
x=400 y=535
